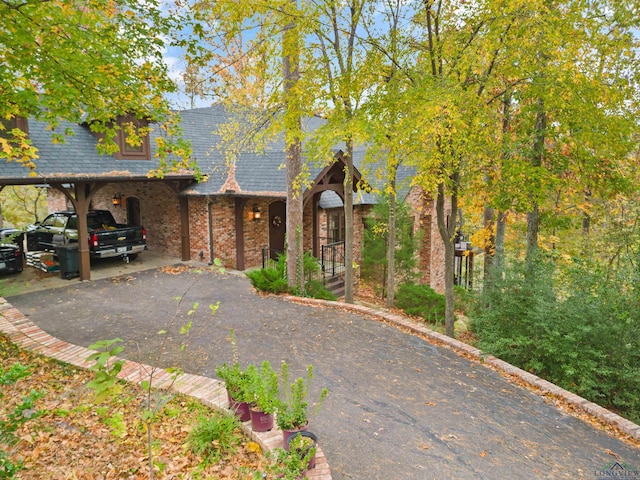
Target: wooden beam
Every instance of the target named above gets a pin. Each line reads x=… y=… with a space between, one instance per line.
x=185 y=236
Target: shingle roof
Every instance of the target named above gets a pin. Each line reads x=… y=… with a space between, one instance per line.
x=254 y=174
x=76 y=158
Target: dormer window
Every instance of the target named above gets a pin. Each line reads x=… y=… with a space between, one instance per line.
x=133 y=139
x=11 y=123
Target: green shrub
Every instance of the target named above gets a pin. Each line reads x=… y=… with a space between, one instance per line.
x=268 y=280
x=464 y=300
x=216 y=436
x=315 y=289
x=274 y=280
x=578 y=327
x=421 y=300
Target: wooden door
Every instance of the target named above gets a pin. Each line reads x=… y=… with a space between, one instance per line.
x=277 y=225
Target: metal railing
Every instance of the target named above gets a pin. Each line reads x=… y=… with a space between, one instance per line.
x=332 y=259
x=270 y=257
x=331 y=262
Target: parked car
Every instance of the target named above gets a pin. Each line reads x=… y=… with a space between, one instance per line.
x=10 y=258
x=106 y=237
x=12 y=235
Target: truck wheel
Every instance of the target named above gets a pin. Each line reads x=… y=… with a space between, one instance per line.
x=132 y=257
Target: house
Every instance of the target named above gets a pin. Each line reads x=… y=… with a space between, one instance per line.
x=236 y=215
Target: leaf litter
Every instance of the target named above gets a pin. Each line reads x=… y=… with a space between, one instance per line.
x=68 y=436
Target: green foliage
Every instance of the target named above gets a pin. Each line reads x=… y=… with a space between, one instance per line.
x=290 y=465
x=263 y=387
x=315 y=289
x=107 y=63
x=268 y=280
x=421 y=300
x=106 y=382
x=274 y=279
x=21 y=414
x=465 y=300
x=13 y=374
x=293 y=408
x=8 y=469
x=376 y=238
x=576 y=326
x=236 y=381
x=23 y=204
x=214 y=437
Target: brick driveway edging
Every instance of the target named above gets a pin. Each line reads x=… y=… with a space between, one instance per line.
x=208 y=391
x=540 y=385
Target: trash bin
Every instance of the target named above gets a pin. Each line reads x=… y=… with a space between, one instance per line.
x=68 y=260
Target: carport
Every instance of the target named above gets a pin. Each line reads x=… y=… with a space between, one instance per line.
x=81 y=189
x=76 y=168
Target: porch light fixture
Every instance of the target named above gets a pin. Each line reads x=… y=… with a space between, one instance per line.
x=117 y=199
x=256 y=212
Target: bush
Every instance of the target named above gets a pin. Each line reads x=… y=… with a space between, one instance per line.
x=464 y=300
x=274 y=280
x=268 y=280
x=216 y=436
x=421 y=300
x=578 y=328
x=316 y=289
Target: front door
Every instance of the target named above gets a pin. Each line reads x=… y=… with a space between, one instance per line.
x=133 y=211
x=277 y=223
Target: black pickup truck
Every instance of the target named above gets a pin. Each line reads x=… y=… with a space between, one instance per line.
x=106 y=237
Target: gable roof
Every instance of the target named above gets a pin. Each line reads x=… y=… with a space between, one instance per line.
x=75 y=159
x=253 y=174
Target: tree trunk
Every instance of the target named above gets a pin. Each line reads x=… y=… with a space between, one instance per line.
x=533 y=216
x=489 y=246
x=447 y=231
x=391 y=248
x=498 y=261
x=348 y=224
x=294 y=247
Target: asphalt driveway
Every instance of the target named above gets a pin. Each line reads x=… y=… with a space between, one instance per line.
x=399 y=407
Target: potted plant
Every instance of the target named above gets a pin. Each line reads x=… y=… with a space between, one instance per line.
x=288 y=465
x=237 y=383
x=304 y=445
x=263 y=396
x=293 y=407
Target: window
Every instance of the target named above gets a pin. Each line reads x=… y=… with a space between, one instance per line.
x=335 y=227
x=55 y=220
x=133 y=146
x=10 y=124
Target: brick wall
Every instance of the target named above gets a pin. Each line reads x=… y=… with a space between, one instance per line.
x=56 y=201
x=159 y=212
x=431 y=248
x=160 y=215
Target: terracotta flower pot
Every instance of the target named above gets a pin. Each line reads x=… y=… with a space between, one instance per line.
x=241 y=409
x=261 y=421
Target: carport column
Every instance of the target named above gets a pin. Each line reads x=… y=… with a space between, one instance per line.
x=185 y=237
x=82 y=208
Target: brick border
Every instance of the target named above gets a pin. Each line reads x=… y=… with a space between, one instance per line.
x=209 y=391
x=542 y=386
